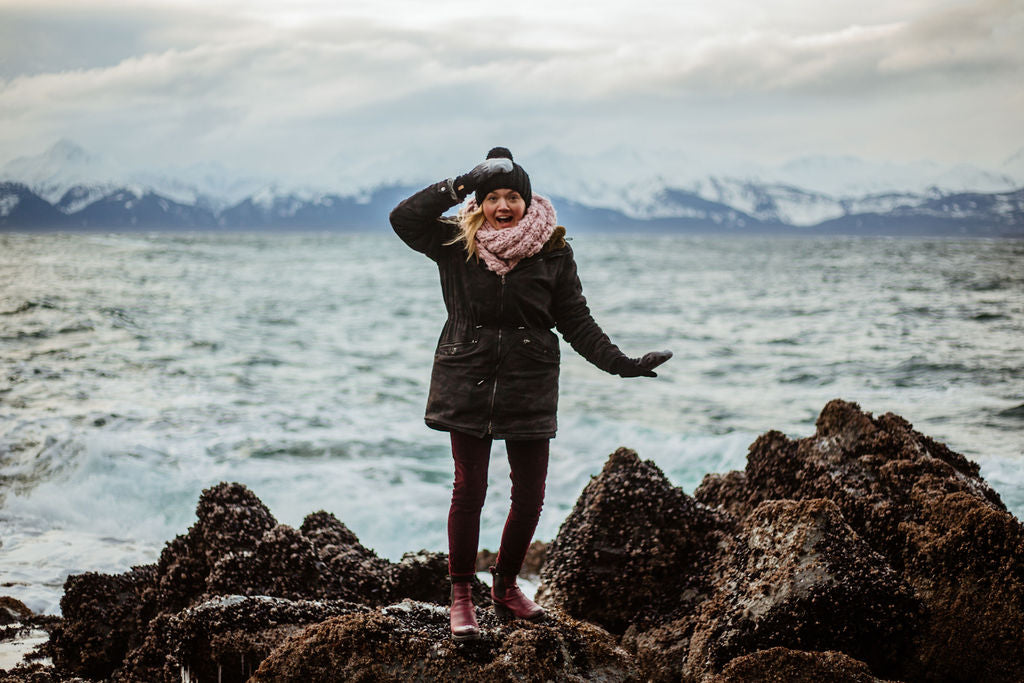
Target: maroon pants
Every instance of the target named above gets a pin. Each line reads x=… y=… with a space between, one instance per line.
x=529 y=463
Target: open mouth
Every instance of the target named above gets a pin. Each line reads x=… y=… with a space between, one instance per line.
x=503 y=220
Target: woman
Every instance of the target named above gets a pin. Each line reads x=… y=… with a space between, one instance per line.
x=507 y=277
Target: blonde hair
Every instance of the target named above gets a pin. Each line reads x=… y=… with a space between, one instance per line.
x=469 y=222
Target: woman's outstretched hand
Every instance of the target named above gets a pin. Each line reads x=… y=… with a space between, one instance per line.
x=644 y=367
x=468 y=182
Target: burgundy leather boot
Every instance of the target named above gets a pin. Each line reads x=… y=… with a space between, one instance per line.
x=463 y=616
x=509 y=601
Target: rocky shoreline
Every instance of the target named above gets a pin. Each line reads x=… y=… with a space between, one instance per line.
x=865 y=552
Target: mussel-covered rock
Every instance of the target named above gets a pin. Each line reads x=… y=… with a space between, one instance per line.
x=634 y=548
x=410 y=641
x=922 y=507
x=797 y=576
x=865 y=552
x=103 y=619
x=231 y=590
x=354 y=572
x=224 y=638
x=423 y=576
x=230 y=519
x=793 y=666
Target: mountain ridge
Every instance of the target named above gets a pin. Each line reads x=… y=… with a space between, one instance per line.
x=70 y=188
x=966 y=214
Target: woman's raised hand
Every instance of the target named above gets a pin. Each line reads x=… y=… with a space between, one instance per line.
x=644 y=367
x=468 y=182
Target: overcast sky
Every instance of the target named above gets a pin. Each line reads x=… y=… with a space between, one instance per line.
x=379 y=86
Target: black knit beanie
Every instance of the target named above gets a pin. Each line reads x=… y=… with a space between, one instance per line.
x=516 y=179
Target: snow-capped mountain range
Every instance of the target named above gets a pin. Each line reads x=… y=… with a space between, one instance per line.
x=801 y=192
x=67 y=186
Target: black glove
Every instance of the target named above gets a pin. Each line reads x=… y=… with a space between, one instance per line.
x=644 y=367
x=468 y=182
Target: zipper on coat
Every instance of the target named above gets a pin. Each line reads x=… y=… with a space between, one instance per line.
x=494 y=389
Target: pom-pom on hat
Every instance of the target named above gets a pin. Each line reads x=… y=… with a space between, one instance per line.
x=516 y=179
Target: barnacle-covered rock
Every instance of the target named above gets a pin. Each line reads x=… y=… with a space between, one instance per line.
x=922 y=507
x=794 y=666
x=224 y=638
x=411 y=641
x=866 y=551
x=797 y=576
x=634 y=548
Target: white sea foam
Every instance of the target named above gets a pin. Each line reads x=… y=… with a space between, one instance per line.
x=13 y=651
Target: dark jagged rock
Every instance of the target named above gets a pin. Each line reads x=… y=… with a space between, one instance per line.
x=12 y=611
x=223 y=639
x=102 y=620
x=234 y=544
x=797 y=576
x=423 y=576
x=779 y=665
x=230 y=520
x=229 y=517
x=148 y=623
x=105 y=616
x=410 y=641
x=968 y=568
x=727 y=492
x=634 y=548
x=536 y=555
x=922 y=507
x=868 y=467
x=283 y=564
x=36 y=672
x=867 y=550
x=147 y=658
x=354 y=572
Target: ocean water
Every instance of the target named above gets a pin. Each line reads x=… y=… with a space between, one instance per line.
x=138 y=369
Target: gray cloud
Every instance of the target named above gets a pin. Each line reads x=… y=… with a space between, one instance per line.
x=190 y=84
x=979 y=39
x=47 y=37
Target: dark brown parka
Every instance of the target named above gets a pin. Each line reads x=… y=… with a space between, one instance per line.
x=496 y=365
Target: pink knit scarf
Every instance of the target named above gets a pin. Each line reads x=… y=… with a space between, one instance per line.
x=502 y=249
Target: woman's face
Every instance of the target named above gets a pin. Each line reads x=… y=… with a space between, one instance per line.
x=504 y=208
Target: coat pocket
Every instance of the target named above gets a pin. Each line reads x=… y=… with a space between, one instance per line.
x=535 y=348
x=456 y=349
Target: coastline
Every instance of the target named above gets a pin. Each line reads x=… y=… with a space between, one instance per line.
x=867 y=551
